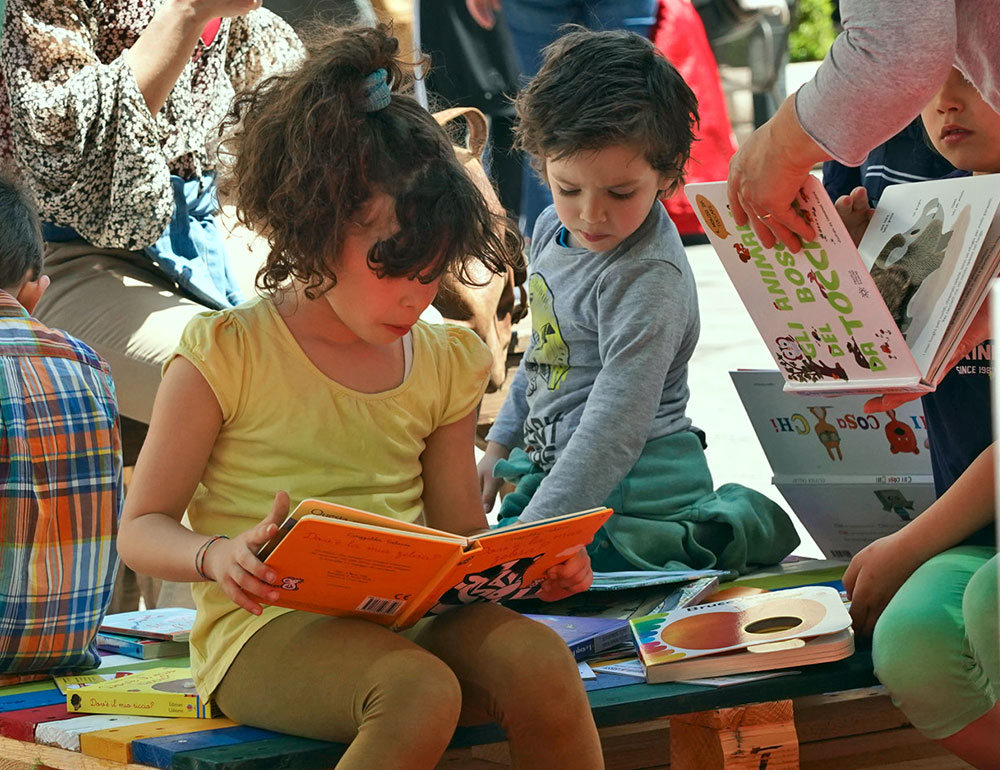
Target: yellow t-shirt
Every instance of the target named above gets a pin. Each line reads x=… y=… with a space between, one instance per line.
x=286 y=425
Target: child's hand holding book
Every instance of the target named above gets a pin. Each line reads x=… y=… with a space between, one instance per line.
x=571 y=577
x=234 y=565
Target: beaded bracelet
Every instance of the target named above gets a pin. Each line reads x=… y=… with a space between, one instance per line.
x=199 y=557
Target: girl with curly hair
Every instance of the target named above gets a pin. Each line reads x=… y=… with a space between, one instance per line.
x=328 y=386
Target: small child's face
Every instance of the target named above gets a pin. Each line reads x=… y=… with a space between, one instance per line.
x=602 y=196
x=962 y=126
x=375 y=310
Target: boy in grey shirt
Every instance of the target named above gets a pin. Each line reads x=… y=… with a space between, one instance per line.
x=596 y=412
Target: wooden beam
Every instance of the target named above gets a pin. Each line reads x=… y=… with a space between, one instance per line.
x=756 y=737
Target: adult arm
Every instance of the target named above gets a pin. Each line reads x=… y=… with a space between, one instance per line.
x=644 y=313
x=876 y=573
x=882 y=69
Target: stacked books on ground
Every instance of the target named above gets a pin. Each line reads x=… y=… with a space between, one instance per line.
x=762 y=632
x=147 y=634
x=157 y=692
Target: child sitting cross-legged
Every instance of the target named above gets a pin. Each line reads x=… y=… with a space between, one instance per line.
x=596 y=413
x=60 y=470
x=328 y=386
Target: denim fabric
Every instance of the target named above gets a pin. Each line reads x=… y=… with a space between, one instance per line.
x=533 y=25
x=192 y=250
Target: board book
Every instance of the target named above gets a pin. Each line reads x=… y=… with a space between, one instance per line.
x=779 y=629
x=164 y=623
x=137 y=647
x=587 y=637
x=158 y=692
x=336 y=560
x=850 y=477
x=880 y=317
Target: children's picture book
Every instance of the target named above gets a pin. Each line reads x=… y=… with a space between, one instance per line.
x=850 y=477
x=75 y=682
x=767 y=631
x=172 y=624
x=880 y=317
x=619 y=581
x=158 y=692
x=336 y=560
x=137 y=647
x=588 y=637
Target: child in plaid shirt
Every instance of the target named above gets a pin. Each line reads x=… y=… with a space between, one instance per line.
x=60 y=471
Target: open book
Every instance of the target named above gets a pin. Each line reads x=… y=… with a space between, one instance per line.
x=850 y=477
x=885 y=316
x=336 y=560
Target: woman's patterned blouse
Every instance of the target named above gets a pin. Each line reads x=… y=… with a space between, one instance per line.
x=77 y=126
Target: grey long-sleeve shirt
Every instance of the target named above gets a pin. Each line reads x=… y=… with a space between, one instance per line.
x=890 y=60
x=606 y=368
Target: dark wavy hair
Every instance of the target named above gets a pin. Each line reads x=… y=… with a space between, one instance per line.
x=303 y=157
x=598 y=89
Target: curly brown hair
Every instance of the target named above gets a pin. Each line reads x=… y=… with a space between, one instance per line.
x=305 y=157
x=597 y=89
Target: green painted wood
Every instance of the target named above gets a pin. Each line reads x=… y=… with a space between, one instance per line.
x=285 y=753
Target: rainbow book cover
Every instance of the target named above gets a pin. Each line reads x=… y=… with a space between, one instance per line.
x=739 y=624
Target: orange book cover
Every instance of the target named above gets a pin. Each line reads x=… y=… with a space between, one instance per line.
x=336 y=560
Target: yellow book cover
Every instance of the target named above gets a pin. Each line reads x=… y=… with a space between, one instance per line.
x=158 y=692
x=336 y=560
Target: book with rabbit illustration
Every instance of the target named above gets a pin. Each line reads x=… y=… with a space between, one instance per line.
x=336 y=560
x=850 y=477
x=881 y=317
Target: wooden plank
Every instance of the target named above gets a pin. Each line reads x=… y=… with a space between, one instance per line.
x=161 y=751
x=20 y=724
x=66 y=734
x=285 y=753
x=116 y=743
x=742 y=738
x=30 y=700
x=17 y=755
x=895 y=749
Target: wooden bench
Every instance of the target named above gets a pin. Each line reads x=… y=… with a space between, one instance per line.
x=831 y=716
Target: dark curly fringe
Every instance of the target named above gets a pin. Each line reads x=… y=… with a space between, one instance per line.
x=304 y=158
x=597 y=89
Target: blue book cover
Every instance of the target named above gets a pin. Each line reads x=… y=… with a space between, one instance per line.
x=587 y=636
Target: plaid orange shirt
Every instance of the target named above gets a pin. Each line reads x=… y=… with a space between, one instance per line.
x=60 y=497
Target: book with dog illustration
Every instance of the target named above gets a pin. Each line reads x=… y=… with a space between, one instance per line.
x=762 y=632
x=885 y=316
x=336 y=560
x=850 y=477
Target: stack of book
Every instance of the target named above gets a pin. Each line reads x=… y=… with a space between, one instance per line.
x=147 y=634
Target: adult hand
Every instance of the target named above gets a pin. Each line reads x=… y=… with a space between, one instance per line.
x=856 y=212
x=978 y=332
x=483 y=11
x=234 y=565
x=874 y=576
x=767 y=173
x=570 y=577
x=489 y=485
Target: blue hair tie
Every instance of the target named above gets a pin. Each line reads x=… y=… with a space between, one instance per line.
x=377 y=91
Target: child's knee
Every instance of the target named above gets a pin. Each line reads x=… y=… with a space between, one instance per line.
x=416 y=684
x=533 y=658
x=904 y=640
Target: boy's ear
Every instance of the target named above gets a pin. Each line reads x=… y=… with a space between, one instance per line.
x=667 y=186
x=31 y=292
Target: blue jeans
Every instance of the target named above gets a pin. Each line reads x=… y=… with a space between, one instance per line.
x=533 y=25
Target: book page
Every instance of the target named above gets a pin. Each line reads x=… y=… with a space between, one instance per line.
x=921 y=246
x=818 y=310
x=511 y=562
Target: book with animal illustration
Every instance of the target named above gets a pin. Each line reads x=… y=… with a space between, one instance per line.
x=779 y=629
x=336 y=560
x=172 y=624
x=158 y=692
x=850 y=477
x=885 y=316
